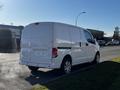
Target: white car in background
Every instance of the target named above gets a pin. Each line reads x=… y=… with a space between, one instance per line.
x=116 y=42
x=57 y=45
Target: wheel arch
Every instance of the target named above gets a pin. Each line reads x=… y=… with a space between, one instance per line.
x=69 y=57
x=98 y=52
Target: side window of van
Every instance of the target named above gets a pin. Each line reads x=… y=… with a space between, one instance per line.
x=88 y=36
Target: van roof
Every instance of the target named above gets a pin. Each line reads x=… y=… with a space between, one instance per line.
x=59 y=23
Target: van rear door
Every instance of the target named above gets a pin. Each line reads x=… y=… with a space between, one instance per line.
x=37 y=43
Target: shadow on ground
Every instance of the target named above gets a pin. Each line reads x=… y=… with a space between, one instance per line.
x=103 y=76
x=41 y=77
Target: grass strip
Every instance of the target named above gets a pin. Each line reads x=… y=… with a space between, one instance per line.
x=103 y=76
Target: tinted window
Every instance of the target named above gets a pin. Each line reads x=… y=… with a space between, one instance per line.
x=88 y=35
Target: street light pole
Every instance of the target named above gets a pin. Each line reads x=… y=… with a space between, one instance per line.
x=76 y=20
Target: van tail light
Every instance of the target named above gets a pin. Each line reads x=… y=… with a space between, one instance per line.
x=54 y=52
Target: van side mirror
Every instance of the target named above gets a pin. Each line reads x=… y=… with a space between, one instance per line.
x=91 y=41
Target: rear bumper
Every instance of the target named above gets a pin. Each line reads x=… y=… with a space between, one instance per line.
x=40 y=65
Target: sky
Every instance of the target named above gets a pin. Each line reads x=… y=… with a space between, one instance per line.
x=100 y=14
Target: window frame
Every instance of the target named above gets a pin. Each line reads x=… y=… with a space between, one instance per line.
x=86 y=33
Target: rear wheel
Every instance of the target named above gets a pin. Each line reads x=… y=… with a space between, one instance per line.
x=66 y=66
x=32 y=68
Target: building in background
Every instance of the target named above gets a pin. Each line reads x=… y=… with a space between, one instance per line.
x=16 y=30
x=7 y=41
x=99 y=35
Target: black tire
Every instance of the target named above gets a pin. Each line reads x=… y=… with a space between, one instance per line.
x=96 y=59
x=32 y=68
x=66 y=66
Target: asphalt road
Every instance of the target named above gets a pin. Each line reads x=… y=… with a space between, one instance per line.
x=107 y=53
x=17 y=77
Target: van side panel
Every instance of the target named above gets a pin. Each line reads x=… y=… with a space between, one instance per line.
x=70 y=41
x=62 y=35
x=62 y=40
x=77 y=51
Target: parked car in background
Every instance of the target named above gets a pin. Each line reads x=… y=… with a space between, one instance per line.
x=101 y=42
x=57 y=46
x=109 y=43
x=116 y=42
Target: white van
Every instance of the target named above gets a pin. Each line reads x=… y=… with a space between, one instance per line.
x=57 y=45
